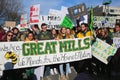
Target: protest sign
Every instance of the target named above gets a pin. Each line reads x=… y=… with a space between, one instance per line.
x=66 y=22
x=23 y=22
x=52 y=21
x=10 y=24
x=64 y=10
x=54 y=12
x=102 y=50
x=16 y=55
x=102 y=21
x=77 y=10
x=116 y=42
x=34 y=13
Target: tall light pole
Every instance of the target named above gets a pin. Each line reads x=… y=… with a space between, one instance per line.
x=106 y=3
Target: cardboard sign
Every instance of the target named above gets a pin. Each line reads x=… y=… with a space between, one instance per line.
x=102 y=51
x=102 y=21
x=34 y=13
x=10 y=24
x=14 y=55
x=77 y=10
x=116 y=42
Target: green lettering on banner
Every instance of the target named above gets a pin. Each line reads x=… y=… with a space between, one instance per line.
x=73 y=45
x=87 y=43
x=62 y=46
x=25 y=49
x=53 y=44
x=68 y=46
x=33 y=49
x=48 y=48
x=40 y=48
x=80 y=46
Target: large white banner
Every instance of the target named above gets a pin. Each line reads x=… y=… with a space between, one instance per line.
x=116 y=42
x=34 y=13
x=102 y=50
x=15 y=55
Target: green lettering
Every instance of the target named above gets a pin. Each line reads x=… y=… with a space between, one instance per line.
x=73 y=45
x=69 y=46
x=33 y=48
x=62 y=46
x=87 y=43
x=25 y=49
x=80 y=45
x=48 y=48
x=53 y=44
x=40 y=48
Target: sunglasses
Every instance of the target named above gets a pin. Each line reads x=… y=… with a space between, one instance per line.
x=10 y=35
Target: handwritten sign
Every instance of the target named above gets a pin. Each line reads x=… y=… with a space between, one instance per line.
x=101 y=21
x=52 y=21
x=34 y=13
x=102 y=50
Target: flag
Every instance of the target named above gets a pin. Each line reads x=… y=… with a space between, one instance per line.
x=91 y=19
x=66 y=22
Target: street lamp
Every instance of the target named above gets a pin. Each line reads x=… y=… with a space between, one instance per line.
x=106 y=3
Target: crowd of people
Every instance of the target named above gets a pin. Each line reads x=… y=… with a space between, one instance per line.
x=37 y=34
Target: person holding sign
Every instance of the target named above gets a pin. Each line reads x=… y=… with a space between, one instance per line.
x=43 y=35
x=30 y=71
x=117 y=31
x=104 y=36
x=63 y=35
x=14 y=74
x=85 y=32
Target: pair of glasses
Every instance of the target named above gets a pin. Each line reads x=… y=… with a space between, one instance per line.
x=10 y=35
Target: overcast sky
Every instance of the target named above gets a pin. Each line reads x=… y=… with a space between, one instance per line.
x=45 y=5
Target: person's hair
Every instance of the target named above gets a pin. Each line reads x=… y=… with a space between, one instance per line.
x=117 y=24
x=54 y=29
x=32 y=34
x=105 y=31
x=43 y=24
x=5 y=37
x=85 y=24
x=60 y=34
x=15 y=28
x=36 y=26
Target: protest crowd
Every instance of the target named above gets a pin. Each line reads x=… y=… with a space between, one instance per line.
x=69 y=50
x=63 y=69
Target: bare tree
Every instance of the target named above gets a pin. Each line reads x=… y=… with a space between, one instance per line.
x=10 y=9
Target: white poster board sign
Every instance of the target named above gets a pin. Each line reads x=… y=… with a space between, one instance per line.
x=102 y=50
